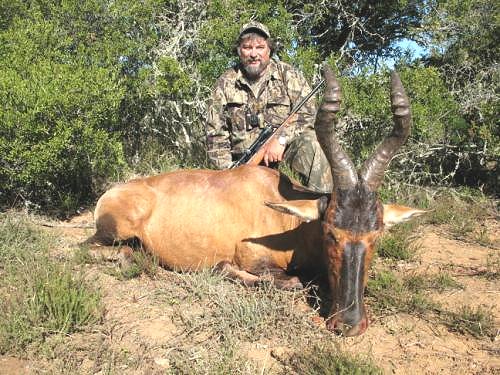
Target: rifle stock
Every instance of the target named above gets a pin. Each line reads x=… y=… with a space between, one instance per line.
x=257 y=157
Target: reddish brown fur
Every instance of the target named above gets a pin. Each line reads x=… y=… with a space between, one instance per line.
x=196 y=218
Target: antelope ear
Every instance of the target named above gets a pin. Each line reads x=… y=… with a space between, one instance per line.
x=395 y=214
x=306 y=210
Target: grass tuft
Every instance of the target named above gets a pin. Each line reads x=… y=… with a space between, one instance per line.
x=224 y=359
x=464 y=214
x=477 y=322
x=82 y=255
x=229 y=309
x=327 y=360
x=492 y=271
x=399 y=243
x=391 y=295
x=438 y=283
x=141 y=263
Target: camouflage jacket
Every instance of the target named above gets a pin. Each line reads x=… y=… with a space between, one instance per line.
x=231 y=128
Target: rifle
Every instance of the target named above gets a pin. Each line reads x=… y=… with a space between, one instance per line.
x=252 y=155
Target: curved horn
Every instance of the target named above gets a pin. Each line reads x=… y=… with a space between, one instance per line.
x=343 y=172
x=373 y=169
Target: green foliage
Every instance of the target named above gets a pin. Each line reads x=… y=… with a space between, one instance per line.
x=464 y=46
x=173 y=81
x=59 y=111
x=58 y=143
x=366 y=31
x=307 y=59
x=368 y=118
x=435 y=113
x=399 y=243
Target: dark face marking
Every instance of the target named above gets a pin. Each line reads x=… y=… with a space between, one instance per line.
x=356 y=209
x=352 y=283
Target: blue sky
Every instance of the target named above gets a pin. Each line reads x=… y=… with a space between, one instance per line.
x=416 y=50
x=406 y=44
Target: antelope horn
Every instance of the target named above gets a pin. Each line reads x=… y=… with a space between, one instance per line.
x=373 y=169
x=343 y=172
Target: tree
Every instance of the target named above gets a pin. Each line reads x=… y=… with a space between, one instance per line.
x=68 y=74
x=463 y=38
x=358 y=31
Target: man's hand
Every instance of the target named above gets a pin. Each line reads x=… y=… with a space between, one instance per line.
x=273 y=152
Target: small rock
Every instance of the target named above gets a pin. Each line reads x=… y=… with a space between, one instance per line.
x=163 y=362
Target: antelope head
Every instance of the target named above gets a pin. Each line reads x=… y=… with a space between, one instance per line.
x=355 y=217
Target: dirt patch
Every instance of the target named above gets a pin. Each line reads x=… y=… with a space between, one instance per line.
x=11 y=365
x=437 y=250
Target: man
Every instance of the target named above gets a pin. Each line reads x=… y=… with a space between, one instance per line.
x=261 y=91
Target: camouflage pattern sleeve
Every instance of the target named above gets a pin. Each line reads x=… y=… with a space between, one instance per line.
x=218 y=142
x=298 y=88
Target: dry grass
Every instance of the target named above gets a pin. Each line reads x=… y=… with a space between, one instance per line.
x=39 y=296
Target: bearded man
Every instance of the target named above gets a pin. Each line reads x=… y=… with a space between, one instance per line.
x=259 y=91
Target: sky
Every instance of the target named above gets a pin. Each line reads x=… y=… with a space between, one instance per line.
x=406 y=44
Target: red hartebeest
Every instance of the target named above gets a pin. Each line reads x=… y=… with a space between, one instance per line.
x=254 y=223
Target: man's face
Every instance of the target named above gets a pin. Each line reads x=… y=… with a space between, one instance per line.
x=254 y=56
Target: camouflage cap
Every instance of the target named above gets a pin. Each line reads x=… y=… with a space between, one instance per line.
x=255 y=27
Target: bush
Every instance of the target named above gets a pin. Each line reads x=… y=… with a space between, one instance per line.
x=57 y=119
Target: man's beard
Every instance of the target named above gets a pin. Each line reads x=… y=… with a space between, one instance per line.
x=253 y=72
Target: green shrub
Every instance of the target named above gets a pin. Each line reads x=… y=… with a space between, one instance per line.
x=60 y=144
